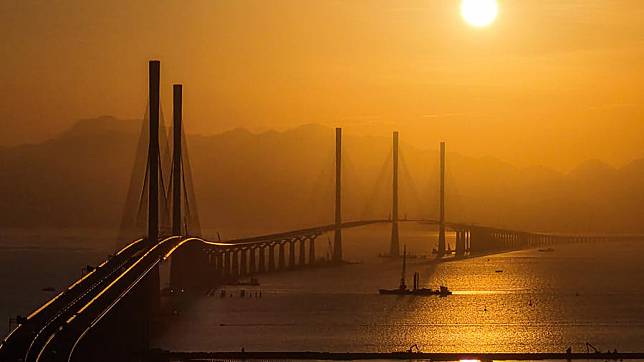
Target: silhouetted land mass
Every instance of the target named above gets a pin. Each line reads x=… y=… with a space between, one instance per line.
x=277 y=180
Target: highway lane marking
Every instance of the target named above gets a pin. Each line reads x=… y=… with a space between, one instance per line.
x=123 y=274
x=78 y=298
x=77 y=282
x=132 y=285
x=104 y=290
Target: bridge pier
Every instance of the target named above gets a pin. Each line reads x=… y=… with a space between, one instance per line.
x=282 y=257
x=253 y=262
x=228 y=259
x=220 y=264
x=460 y=243
x=219 y=260
x=212 y=269
x=262 y=259
x=302 y=242
x=291 y=254
x=215 y=264
x=271 y=257
x=312 y=250
x=235 y=266
x=244 y=262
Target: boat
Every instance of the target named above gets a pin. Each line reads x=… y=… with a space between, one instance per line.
x=547 y=250
x=403 y=290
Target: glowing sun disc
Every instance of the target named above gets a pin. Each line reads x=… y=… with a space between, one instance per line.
x=479 y=13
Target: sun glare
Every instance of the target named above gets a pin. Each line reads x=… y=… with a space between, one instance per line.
x=479 y=13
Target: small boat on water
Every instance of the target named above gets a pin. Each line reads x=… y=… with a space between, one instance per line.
x=402 y=289
x=547 y=250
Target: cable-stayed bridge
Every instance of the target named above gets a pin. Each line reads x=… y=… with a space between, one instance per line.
x=106 y=314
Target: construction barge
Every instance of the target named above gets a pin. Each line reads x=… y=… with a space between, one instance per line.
x=402 y=289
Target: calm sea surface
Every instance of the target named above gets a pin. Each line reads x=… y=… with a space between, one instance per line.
x=539 y=302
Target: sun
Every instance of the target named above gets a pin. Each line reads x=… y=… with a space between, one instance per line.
x=479 y=13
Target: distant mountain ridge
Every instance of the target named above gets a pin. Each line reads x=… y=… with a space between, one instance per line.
x=276 y=180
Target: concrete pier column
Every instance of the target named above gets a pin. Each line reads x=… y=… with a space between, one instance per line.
x=212 y=266
x=312 y=250
x=271 y=257
x=244 y=262
x=291 y=254
x=262 y=259
x=235 y=266
x=460 y=243
x=282 y=257
x=253 y=261
x=228 y=257
x=302 y=259
x=220 y=263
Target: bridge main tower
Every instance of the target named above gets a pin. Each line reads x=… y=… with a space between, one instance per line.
x=394 y=249
x=177 y=120
x=153 y=152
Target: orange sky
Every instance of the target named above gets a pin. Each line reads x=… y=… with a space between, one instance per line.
x=550 y=82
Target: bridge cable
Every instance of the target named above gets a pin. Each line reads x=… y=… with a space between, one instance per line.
x=130 y=227
x=409 y=180
x=321 y=192
x=378 y=186
x=189 y=190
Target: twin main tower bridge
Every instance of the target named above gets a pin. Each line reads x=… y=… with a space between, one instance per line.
x=107 y=314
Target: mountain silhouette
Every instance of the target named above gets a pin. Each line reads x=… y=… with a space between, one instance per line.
x=255 y=182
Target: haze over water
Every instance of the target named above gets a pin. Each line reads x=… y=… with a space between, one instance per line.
x=580 y=293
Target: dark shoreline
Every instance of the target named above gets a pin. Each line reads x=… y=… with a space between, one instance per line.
x=162 y=356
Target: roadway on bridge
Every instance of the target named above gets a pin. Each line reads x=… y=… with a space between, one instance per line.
x=27 y=340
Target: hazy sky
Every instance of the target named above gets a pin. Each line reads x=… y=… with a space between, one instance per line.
x=550 y=82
